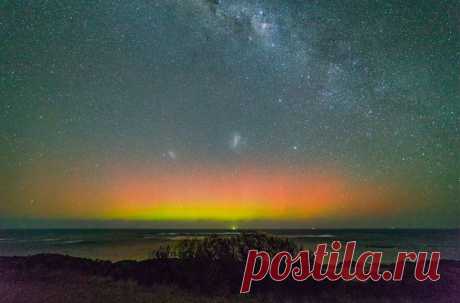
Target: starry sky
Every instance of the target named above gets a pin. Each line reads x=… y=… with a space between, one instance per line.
x=198 y=113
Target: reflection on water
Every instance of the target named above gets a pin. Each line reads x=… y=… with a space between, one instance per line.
x=138 y=244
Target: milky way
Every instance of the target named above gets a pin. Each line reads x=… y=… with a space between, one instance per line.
x=100 y=103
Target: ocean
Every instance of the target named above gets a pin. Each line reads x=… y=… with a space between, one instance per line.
x=138 y=244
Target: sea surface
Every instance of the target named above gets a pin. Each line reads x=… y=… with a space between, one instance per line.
x=138 y=244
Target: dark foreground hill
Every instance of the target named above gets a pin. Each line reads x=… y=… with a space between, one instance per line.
x=199 y=271
x=56 y=278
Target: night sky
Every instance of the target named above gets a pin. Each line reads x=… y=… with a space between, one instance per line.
x=198 y=113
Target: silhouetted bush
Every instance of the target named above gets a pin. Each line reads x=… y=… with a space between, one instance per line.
x=228 y=248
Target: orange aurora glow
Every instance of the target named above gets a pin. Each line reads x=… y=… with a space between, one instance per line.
x=220 y=194
x=248 y=194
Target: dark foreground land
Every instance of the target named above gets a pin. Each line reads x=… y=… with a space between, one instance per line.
x=207 y=270
x=57 y=278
